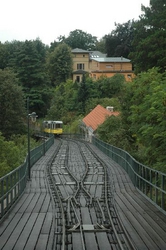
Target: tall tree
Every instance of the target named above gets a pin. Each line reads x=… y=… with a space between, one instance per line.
x=53 y=45
x=110 y=86
x=118 y=43
x=12 y=104
x=83 y=94
x=64 y=103
x=100 y=45
x=28 y=61
x=4 y=55
x=80 y=39
x=60 y=64
x=149 y=43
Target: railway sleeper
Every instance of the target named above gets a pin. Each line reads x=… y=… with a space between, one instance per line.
x=90 y=228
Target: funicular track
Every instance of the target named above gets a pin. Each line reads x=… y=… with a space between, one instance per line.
x=83 y=194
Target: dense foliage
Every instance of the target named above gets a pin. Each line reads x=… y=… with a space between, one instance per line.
x=28 y=60
x=80 y=39
x=119 y=42
x=149 y=38
x=140 y=129
x=60 y=64
x=148 y=116
x=13 y=152
x=72 y=99
x=12 y=105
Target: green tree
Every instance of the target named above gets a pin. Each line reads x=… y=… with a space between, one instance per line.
x=13 y=152
x=111 y=43
x=148 y=115
x=83 y=95
x=71 y=99
x=12 y=104
x=101 y=45
x=29 y=62
x=13 y=48
x=119 y=42
x=143 y=117
x=53 y=46
x=4 y=54
x=80 y=39
x=60 y=64
x=149 y=43
x=63 y=105
x=9 y=155
x=8 y=52
x=110 y=86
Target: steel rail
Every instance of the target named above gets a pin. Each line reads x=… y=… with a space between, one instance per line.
x=80 y=183
x=127 y=236
x=81 y=231
x=101 y=210
x=68 y=209
x=74 y=199
x=52 y=188
x=88 y=194
x=106 y=202
x=123 y=240
x=109 y=214
x=62 y=214
x=106 y=195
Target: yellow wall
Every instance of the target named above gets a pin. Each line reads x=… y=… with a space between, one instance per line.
x=118 y=66
x=94 y=65
x=97 y=69
x=81 y=58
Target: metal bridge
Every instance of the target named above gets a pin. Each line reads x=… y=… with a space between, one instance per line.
x=82 y=198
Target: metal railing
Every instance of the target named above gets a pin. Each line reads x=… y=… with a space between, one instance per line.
x=150 y=182
x=13 y=184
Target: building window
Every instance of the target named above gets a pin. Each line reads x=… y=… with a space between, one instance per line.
x=78 y=78
x=83 y=55
x=109 y=66
x=80 y=66
x=129 y=76
x=94 y=76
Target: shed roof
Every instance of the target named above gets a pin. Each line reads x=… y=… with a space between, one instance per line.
x=111 y=59
x=97 y=116
x=77 y=50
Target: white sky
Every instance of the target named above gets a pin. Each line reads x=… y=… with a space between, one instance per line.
x=29 y=19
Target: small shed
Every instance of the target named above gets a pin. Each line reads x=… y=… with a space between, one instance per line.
x=95 y=118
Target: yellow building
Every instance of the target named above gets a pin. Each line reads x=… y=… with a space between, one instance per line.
x=97 y=64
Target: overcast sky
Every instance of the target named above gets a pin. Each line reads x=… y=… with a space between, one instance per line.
x=48 y=19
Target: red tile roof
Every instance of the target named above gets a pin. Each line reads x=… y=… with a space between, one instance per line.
x=97 y=116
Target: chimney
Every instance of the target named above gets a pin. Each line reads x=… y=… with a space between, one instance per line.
x=110 y=108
